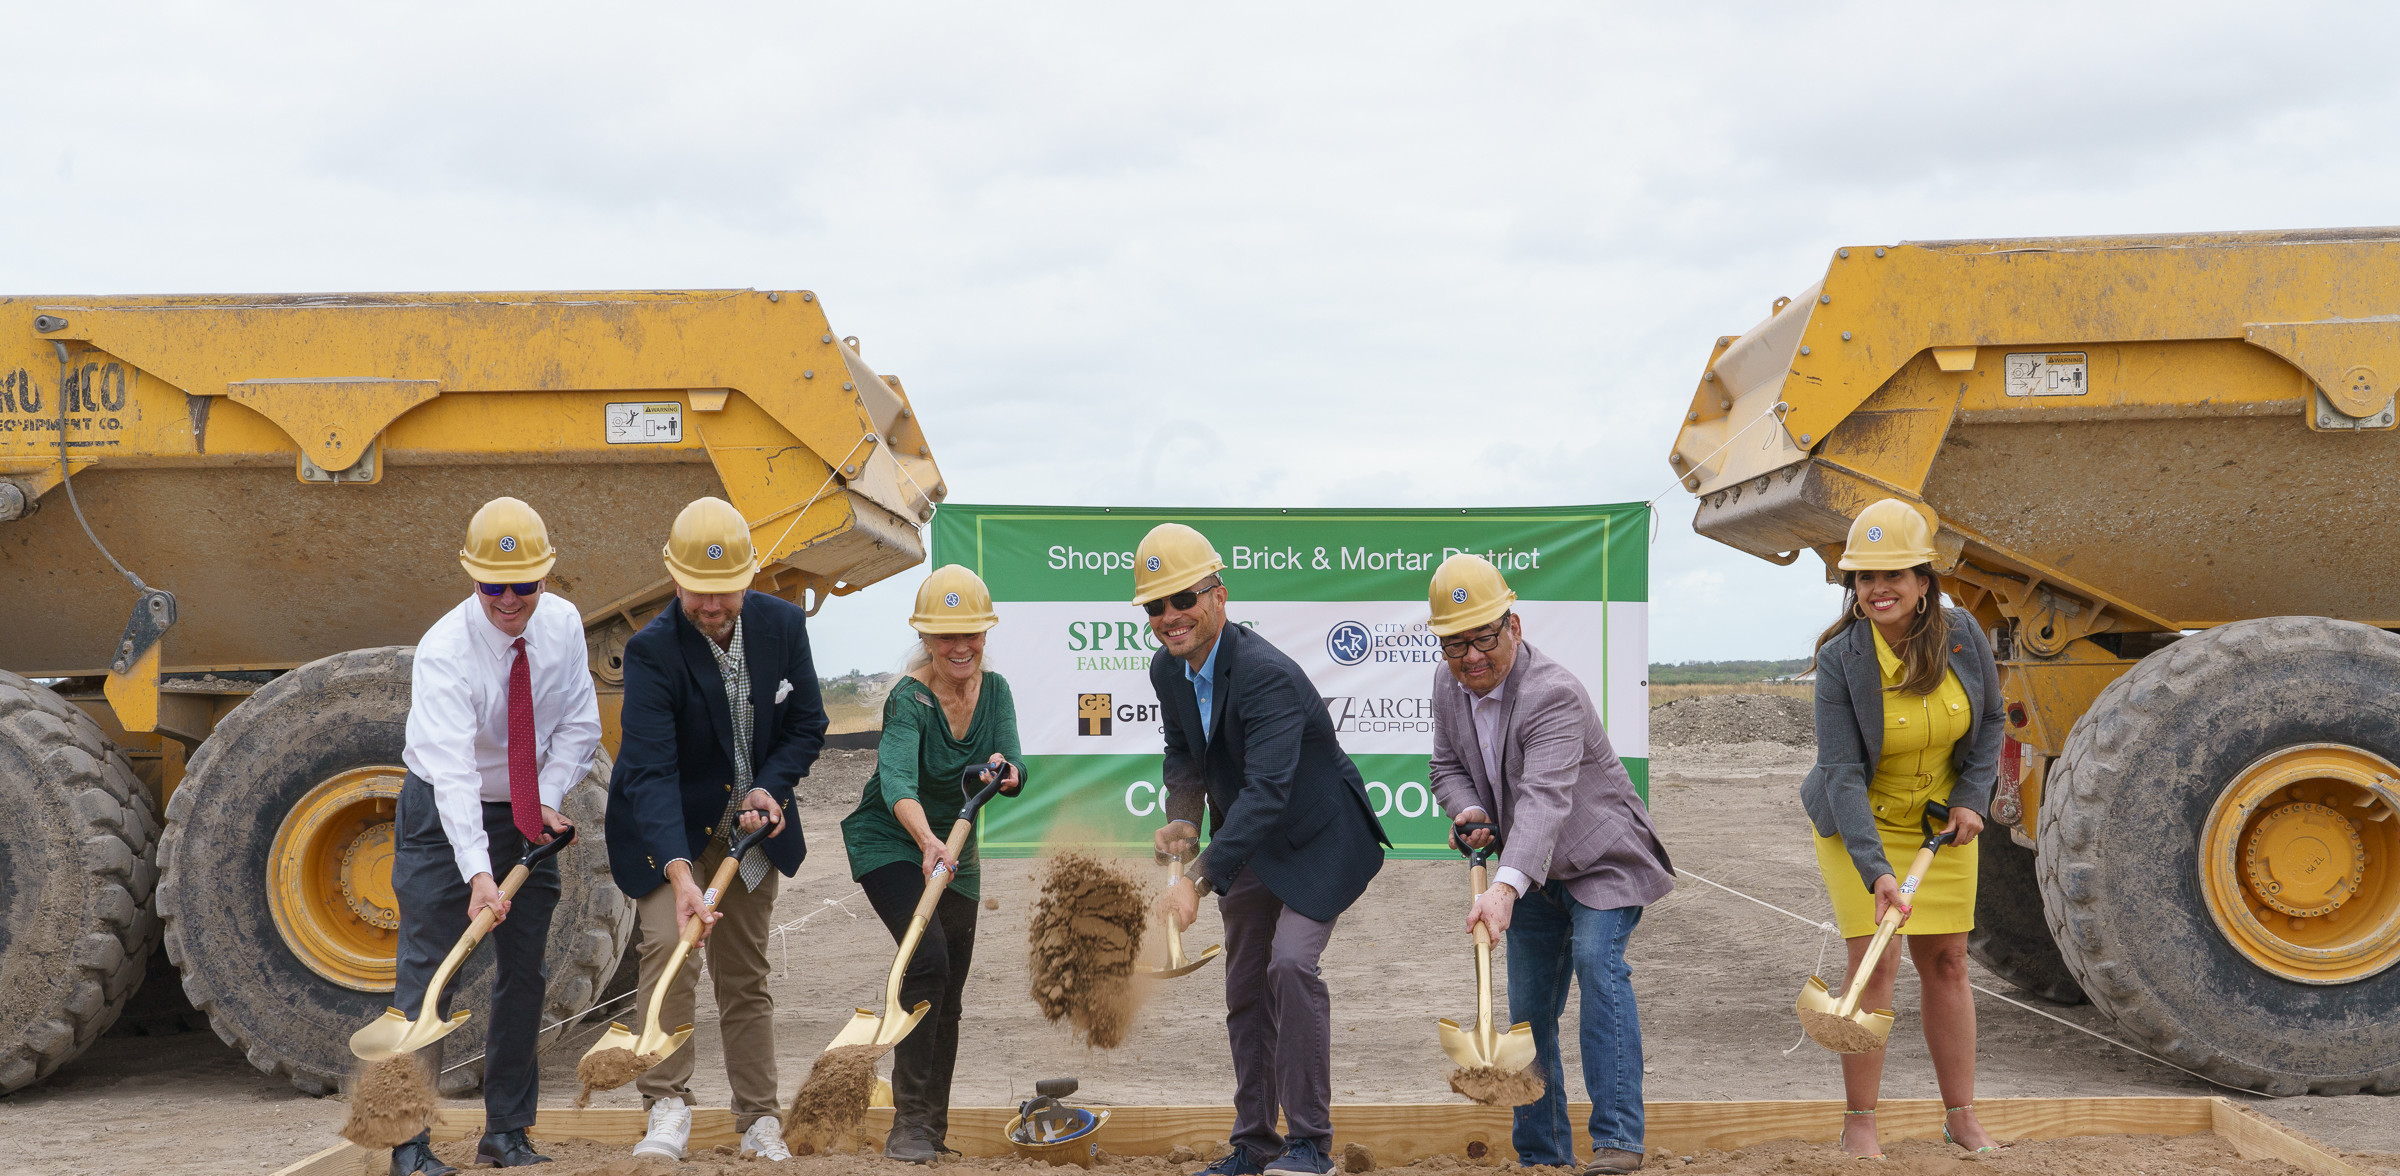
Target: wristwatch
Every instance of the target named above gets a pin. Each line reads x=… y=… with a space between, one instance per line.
x=1201 y=886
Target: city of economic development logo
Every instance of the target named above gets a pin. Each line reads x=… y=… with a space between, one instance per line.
x=1351 y=643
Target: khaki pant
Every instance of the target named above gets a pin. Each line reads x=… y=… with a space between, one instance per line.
x=737 y=962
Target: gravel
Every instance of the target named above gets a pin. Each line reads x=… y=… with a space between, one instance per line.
x=1734 y=718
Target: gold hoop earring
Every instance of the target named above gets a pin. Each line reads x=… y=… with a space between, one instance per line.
x=1858 y=608
x=1920 y=604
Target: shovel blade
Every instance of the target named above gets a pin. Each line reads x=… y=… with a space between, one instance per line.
x=616 y=1037
x=865 y=1028
x=393 y=1034
x=1185 y=968
x=1820 y=1014
x=661 y=1044
x=1515 y=1049
x=1461 y=1044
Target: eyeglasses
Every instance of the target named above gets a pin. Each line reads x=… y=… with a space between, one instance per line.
x=519 y=589
x=1456 y=648
x=1183 y=600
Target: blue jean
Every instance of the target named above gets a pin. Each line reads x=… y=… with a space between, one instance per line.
x=1553 y=939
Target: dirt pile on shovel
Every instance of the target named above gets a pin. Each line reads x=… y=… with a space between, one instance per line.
x=1085 y=928
x=833 y=1100
x=390 y=1103
x=608 y=1069
x=1839 y=1034
x=1495 y=1087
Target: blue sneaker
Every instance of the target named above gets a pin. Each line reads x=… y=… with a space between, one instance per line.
x=1301 y=1157
x=1236 y=1163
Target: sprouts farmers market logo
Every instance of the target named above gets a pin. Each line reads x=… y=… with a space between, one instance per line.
x=1351 y=643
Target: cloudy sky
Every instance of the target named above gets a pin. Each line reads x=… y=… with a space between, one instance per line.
x=1233 y=254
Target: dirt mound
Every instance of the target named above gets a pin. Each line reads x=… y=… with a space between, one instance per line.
x=608 y=1069
x=1496 y=1087
x=2090 y=1155
x=833 y=1100
x=1085 y=928
x=392 y=1101
x=1735 y=718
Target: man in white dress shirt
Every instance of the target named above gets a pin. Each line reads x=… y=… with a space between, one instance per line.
x=502 y=721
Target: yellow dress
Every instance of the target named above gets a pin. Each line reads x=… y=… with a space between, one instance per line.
x=1918 y=734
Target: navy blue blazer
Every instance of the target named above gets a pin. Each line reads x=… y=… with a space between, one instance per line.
x=674 y=770
x=1284 y=800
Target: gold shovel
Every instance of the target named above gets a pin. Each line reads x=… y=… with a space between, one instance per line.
x=1838 y=1025
x=655 y=1043
x=393 y=1034
x=865 y=1027
x=1176 y=964
x=1484 y=1045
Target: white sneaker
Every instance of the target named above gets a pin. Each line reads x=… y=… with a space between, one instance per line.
x=764 y=1139
x=670 y=1130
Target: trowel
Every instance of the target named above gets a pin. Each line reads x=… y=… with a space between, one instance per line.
x=1838 y=1025
x=393 y=1034
x=1484 y=1045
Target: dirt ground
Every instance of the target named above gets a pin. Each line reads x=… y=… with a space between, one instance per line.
x=1714 y=975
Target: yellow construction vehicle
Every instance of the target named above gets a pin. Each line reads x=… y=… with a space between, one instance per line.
x=223 y=523
x=2162 y=466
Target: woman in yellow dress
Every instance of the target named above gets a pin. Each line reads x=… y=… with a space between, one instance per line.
x=1908 y=711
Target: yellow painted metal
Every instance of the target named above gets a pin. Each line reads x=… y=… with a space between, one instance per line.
x=2042 y=699
x=134 y=693
x=187 y=419
x=329 y=879
x=2298 y=863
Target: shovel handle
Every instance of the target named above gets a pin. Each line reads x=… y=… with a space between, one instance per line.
x=1890 y=925
x=488 y=916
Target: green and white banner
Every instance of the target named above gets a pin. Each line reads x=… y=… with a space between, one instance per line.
x=1341 y=591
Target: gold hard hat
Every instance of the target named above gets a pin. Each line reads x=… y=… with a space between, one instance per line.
x=1888 y=536
x=953 y=600
x=1467 y=593
x=1172 y=557
x=708 y=550
x=507 y=544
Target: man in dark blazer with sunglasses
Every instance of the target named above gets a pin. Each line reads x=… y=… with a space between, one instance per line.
x=1293 y=842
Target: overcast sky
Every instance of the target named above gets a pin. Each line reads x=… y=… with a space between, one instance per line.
x=1231 y=255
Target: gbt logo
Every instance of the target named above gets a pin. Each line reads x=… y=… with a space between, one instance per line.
x=1347 y=643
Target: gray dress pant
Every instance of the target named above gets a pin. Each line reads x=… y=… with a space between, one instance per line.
x=1279 y=1018
x=433 y=914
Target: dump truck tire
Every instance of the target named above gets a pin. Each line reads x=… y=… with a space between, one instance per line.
x=77 y=866
x=2011 y=935
x=333 y=724
x=158 y=1007
x=2121 y=851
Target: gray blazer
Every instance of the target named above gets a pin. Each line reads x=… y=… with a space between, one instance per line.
x=1566 y=809
x=1850 y=737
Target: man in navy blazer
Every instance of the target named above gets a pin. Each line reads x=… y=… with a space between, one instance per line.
x=1293 y=842
x=721 y=718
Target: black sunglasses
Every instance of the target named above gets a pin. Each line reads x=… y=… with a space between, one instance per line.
x=1181 y=600
x=1456 y=647
x=520 y=589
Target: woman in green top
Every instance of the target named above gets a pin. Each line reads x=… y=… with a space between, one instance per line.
x=945 y=714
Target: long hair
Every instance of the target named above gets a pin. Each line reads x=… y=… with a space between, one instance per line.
x=1923 y=652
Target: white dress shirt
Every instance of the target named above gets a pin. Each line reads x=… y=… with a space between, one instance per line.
x=458 y=715
x=1491 y=713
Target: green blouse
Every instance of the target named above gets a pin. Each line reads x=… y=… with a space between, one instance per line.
x=918 y=760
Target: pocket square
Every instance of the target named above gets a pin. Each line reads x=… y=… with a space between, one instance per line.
x=783 y=689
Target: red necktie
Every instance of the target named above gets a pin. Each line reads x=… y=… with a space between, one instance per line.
x=524 y=790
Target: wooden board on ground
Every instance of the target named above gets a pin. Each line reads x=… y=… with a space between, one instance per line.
x=1401 y=1133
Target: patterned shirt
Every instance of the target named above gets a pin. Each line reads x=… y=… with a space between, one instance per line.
x=733 y=665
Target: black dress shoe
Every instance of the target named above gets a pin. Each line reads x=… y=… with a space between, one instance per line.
x=507 y=1149
x=908 y=1144
x=416 y=1158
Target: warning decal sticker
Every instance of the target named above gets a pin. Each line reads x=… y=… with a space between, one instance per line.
x=2053 y=373
x=645 y=424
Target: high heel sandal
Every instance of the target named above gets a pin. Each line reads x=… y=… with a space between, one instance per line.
x=1947 y=1138
x=1868 y=1111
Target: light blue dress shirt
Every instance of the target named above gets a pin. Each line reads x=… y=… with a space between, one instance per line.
x=1204 y=684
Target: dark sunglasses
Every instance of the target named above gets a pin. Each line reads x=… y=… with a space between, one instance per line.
x=1182 y=601
x=1456 y=647
x=520 y=589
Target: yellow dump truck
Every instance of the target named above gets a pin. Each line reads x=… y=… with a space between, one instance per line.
x=2163 y=468
x=223 y=523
